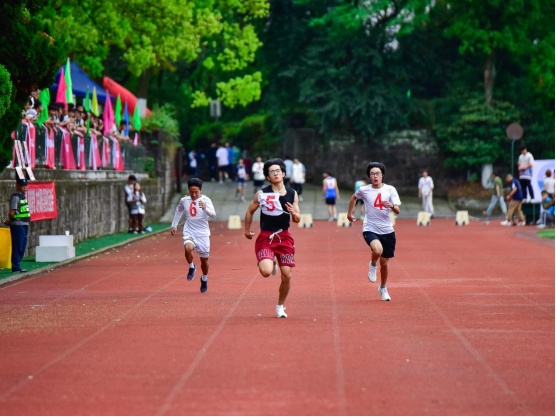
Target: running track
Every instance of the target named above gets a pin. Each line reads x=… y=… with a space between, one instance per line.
x=469 y=331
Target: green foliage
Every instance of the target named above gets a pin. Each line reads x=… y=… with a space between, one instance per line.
x=476 y=135
x=5 y=90
x=204 y=134
x=162 y=120
x=31 y=57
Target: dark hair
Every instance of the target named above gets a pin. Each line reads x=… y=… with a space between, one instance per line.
x=195 y=182
x=495 y=173
x=273 y=161
x=328 y=173
x=524 y=146
x=132 y=178
x=376 y=165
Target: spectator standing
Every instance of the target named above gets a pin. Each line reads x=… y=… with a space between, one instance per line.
x=19 y=221
x=525 y=164
x=258 y=174
x=426 y=185
x=515 y=199
x=497 y=195
x=137 y=202
x=330 y=192
x=298 y=177
x=359 y=202
x=129 y=189
x=223 y=164
x=289 y=163
x=193 y=163
x=241 y=177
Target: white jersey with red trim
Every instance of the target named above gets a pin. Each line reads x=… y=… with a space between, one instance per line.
x=196 y=219
x=377 y=217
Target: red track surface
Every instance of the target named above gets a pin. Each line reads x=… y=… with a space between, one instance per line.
x=469 y=330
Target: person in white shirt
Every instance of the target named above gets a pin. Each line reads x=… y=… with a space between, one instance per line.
x=298 y=177
x=525 y=164
x=426 y=185
x=548 y=183
x=380 y=199
x=223 y=164
x=198 y=209
x=258 y=174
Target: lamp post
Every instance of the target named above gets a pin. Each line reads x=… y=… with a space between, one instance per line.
x=514 y=131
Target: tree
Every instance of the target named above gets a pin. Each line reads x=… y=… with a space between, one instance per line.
x=153 y=35
x=31 y=57
x=522 y=29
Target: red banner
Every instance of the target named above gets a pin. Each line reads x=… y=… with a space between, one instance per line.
x=42 y=200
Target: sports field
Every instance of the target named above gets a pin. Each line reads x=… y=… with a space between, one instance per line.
x=469 y=330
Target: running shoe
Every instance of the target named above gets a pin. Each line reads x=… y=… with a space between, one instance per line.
x=204 y=285
x=275 y=267
x=281 y=311
x=521 y=224
x=372 y=272
x=505 y=223
x=191 y=273
x=384 y=294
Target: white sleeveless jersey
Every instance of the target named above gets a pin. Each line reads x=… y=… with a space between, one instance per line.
x=377 y=217
x=196 y=219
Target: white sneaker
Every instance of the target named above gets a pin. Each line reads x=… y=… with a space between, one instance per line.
x=521 y=224
x=541 y=226
x=275 y=267
x=384 y=294
x=506 y=223
x=281 y=311
x=372 y=272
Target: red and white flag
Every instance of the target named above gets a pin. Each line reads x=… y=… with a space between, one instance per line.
x=49 y=157
x=94 y=153
x=136 y=139
x=67 y=160
x=81 y=153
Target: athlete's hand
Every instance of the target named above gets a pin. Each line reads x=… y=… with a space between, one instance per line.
x=249 y=234
x=351 y=218
x=173 y=230
x=202 y=204
x=387 y=204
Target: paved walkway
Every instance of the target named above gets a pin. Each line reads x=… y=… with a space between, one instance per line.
x=225 y=203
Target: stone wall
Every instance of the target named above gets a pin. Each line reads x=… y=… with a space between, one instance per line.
x=89 y=203
x=404 y=153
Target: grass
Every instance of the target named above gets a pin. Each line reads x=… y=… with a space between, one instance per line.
x=83 y=248
x=546 y=233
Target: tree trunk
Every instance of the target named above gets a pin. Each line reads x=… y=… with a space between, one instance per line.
x=143 y=85
x=489 y=75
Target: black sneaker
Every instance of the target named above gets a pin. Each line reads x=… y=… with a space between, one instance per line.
x=191 y=273
x=204 y=286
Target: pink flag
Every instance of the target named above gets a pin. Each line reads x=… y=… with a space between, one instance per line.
x=14 y=157
x=67 y=160
x=118 y=163
x=30 y=139
x=61 y=93
x=136 y=139
x=94 y=153
x=108 y=115
x=81 y=153
x=105 y=152
x=49 y=157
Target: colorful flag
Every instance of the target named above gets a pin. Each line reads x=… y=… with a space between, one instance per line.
x=94 y=104
x=108 y=115
x=136 y=139
x=61 y=93
x=69 y=89
x=136 y=119
x=87 y=101
x=126 y=119
x=118 y=111
x=44 y=98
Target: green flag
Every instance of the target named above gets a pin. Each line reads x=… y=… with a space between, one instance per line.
x=136 y=118
x=69 y=90
x=88 y=125
x=118 y=112
x=87 y=102
x=44 y=98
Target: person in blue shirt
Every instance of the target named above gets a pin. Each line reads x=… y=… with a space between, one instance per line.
x=515 y=199
x=547 y=215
